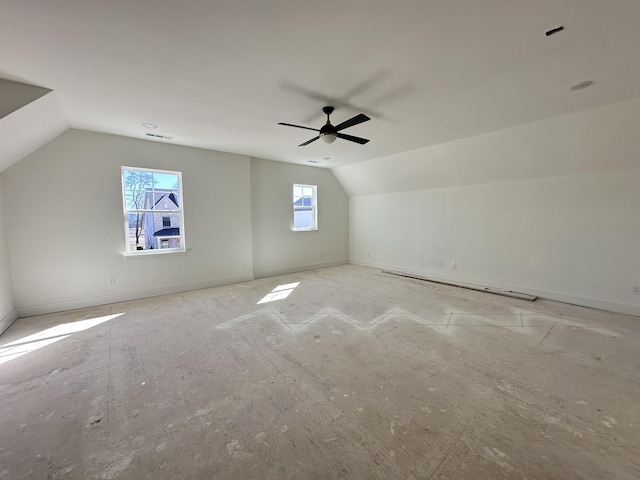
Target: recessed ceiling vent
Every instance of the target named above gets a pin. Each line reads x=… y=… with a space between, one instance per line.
x=553 y=31
x=157 y=135
x=582 y=85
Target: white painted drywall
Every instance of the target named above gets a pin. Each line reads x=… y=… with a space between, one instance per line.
x=597 y=140
x=64 y=221
x=277 y=248
x=563 y=223
x=29 y=128
x=574 y=239
x=7 y=310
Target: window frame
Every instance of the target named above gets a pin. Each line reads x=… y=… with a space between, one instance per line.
x=314 y=207
x=179 y=211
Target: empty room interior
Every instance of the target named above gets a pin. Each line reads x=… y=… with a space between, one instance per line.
x=299 y=240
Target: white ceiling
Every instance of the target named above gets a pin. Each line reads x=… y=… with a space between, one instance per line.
x=221 y=75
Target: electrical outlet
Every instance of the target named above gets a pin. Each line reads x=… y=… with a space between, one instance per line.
x=636 y=289
x=453 y=265
x=111 y=281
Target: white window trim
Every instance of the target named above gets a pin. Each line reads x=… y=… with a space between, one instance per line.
x=315 y=209
x=163 y=251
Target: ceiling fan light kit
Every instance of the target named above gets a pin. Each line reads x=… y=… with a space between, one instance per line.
x=329 y=132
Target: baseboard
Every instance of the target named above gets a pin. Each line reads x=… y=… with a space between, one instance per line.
x=29 y=311
x=590 y=302
x=299 y=268
x=8 y=320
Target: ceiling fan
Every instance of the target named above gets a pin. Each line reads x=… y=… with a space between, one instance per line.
x=329 y=133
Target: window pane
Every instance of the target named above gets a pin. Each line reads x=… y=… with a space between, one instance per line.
x=165 y=199
x=303 y=219
x=136 y=237
x=166 y=181
x=162 y=229
x=136 y=186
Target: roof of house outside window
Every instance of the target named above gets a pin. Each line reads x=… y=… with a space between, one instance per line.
x=168 y=232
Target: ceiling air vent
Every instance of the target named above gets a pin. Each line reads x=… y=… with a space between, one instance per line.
x=553 y=31
x=157 y=135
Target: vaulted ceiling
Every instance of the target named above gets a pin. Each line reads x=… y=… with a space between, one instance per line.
x=221 y=75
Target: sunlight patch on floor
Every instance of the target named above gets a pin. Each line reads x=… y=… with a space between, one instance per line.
x=279 y=293
x=28 y=344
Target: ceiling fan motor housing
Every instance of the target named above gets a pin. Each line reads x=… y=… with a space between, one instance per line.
x=327 y=129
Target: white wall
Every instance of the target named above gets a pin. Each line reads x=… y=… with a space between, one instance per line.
x=63 y=207
x=573 y=239
x=7 y=310
x=550 y=208
x=277 y=248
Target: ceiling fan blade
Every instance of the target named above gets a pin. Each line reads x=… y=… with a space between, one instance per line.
x=309 y=141
x=298 y=126
x=361 y=117
x=351 y=138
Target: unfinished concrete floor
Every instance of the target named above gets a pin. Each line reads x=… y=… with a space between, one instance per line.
x=356 y=374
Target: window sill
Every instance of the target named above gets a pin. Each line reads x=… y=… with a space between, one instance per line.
x=157 y=253
x=304 y=229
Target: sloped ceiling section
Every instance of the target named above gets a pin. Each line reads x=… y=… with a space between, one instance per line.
x=15 y=95
x=592 y=141
x=30 y=117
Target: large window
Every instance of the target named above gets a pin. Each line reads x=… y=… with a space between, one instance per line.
x=153 y=214
x=305 y=207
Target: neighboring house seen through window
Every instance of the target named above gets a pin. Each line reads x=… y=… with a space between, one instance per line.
x=305 y=207
x=152 y=210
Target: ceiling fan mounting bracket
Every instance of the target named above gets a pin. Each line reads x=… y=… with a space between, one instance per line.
x=327 y=110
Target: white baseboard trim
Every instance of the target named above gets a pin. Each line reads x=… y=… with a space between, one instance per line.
x=29 y=311
x=299 y=268
x=8 y=320
x=590 y=302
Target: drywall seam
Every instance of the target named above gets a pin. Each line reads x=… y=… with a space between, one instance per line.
x=8 y=320
x=300 y=268
x=600 y=304
x=31 y=310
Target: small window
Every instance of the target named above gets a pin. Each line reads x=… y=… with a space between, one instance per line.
x=305 y=207
x=152 y=210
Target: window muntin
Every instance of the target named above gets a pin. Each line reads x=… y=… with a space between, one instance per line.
x=305 y=207
x=153 y=211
